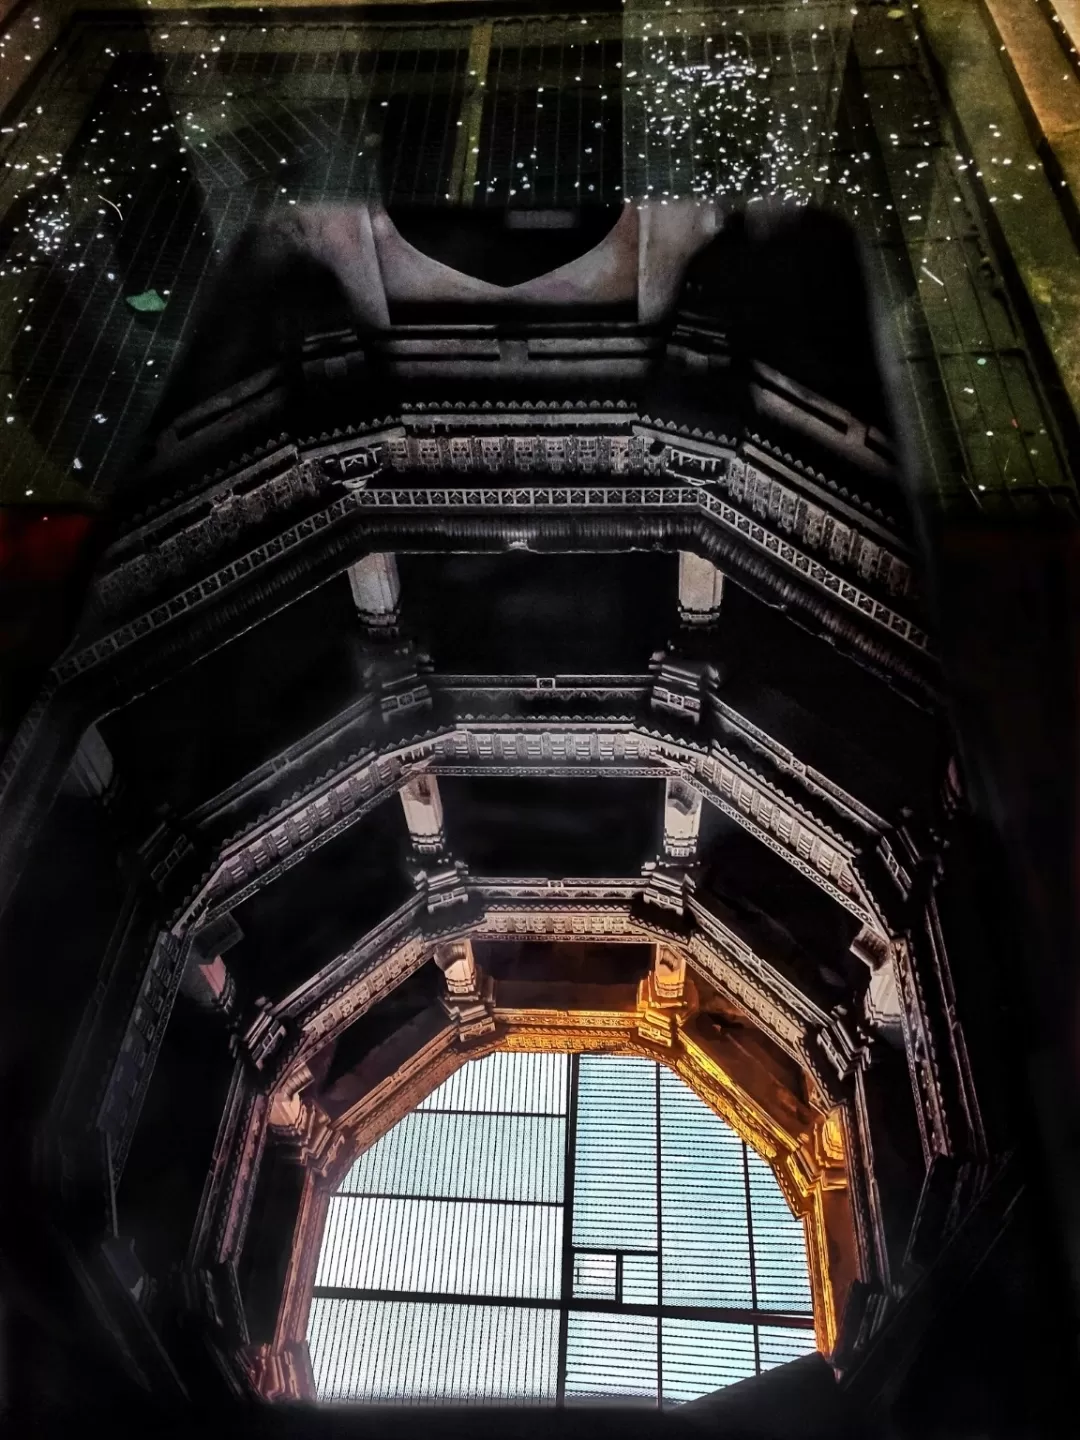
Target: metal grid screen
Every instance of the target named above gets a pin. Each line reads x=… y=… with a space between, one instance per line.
x=552 y=1229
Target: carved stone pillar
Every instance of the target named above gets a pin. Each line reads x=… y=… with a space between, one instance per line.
x=376 y=591
x=468 y=993
x=92 y=772
x=701 y=590
x=669 y=875
x=424 y=814
x=682 y=819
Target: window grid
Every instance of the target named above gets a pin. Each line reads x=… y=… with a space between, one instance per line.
x=556 y=1230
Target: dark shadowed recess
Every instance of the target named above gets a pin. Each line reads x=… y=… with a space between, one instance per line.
x=552 y=827
x=523 y=613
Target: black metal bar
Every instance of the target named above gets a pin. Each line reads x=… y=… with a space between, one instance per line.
x=567 y=1287
x=502 y=1114
x=659 y=1258
x=447 y=1200
x=605 y=1249
x=750 y=1246
x=784 y=1319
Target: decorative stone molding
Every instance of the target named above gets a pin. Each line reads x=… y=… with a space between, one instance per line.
x=370 y=970
x=134 y=1064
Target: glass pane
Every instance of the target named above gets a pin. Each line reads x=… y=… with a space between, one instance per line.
x=783 y=1277
x=780 y=1345
x=700 y=1356
x=613 y=1356
x=594 y=1277
x=389 y=1351
x=449 y=1247
x=501 y=1082
x=706 y=1246
x=486 y=1157
x=615 y=1157
x=639 y=1280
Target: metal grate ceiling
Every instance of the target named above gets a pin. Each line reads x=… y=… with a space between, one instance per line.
x=551 y=1229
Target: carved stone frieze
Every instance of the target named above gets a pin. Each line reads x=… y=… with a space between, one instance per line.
x=548 y=748
x=770 y=506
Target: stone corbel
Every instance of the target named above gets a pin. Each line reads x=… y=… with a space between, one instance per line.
x=666 y=885
x=821 y=1152
x=678 y=686
x=260 y=1041
x=845 y=1042
x=398 y=680
x=281 y=1372
x=210 y=984
x=442 y=882
x=287 y=1109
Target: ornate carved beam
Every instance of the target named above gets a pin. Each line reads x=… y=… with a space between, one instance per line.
x=322 y=1009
